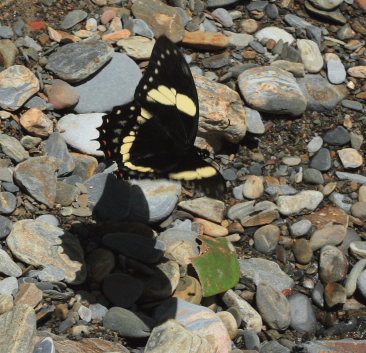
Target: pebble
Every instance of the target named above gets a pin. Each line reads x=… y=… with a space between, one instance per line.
x=302 y=314
x=336 y=72
x=339 y=136
x=36 y=122
x=253 y=187
x=224 y=16
x=327 y=5
x=5 y=227
x=62 y=95
x=333 y=264
x=75 y=62
x=310 y=55
x=274 y=33
x=307 y=200
x=266 y=238
x=73 y=18
x=8 y=53
x=350 y=158
x=315 y=144
x=17 y=85
x=321 y=160
x=331 y=234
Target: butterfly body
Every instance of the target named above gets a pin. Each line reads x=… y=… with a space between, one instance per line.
x=153 y=136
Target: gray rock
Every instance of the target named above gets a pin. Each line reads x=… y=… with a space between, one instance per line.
x=297 y=69
x=7 y=266
x=56 y=147
x=117 y=81
x=300 y=228
x=307 y=200
x=122 y=290
x=12 y=148
x=315 y=144
x=338 y=136
x=259 y=5
x=273 y=306
x=17 y=85
x=8 y=286
x=49 y=219
x=28 y=42
x=272 y=11
x=327 y=5
x=318 y=294
x=45 y=346
x=320 y=94
x=258 y=47
x=254 y=121
x=128 y=323
x=239 y=40
x=274 y=33
x=332 y=16
x=141 y=28
x=351 y=281
x=310 y=55
x=272 y=90
x=259 y=270
x=361 y=283
x=6 y=226
x=353 y=105
x=342 y=201
x=321 y=160
x=72 y=18
x=314 y=33
x=278 y=189
x=224 y=16
x=313 y=176
x=76 y=61
x=98 y=311
x=352 y=177
x=302 y=314
x=336 y=72
x=219 y=3
x=8 y=202
x=273 y=347
x=41 y=244
x=51 y=273
x=42 y=188
x=6 y=32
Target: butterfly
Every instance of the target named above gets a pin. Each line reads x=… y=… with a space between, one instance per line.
x=153 y=136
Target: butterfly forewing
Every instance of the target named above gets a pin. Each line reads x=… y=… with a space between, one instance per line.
x=168 y=91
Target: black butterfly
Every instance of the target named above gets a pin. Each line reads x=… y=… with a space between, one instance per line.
x=153 y=136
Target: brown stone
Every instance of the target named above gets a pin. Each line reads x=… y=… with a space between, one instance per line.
x=357 y=71
x=62 y=95
x=8 y=53
x=162 y=19
x=212 y=229
x=36 y=122
x=189 y=289
x=54 y=34
x=108 y=16
x=28 y=294
x=116 y=36
x=205 y=40
x=334 y=294
x=249 y=54
x=326 y=215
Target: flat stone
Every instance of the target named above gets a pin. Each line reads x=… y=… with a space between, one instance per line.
x=41 y=244
x=338 y=136
x=327 y=5
x=336 y=72
x=310 y=55
x=36 y=122
x=62 y=95
x=333 y=264
x=274 y=33
x=307 y=200
x=205 y=40
x=335 y=16
x=161 y=18
x=76 y=61
x=42 y=188
x=117 y=80
x=350 y=158
x=297 y=69
x=320 y=94
x=12 y=148
x=73 y=18
x=8 y=52
x=17 y=85
x=272 y=90
x=321 y=160
x=18 y=328
x=332 y=234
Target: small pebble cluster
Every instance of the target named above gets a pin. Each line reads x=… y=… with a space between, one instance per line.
x=94 y=264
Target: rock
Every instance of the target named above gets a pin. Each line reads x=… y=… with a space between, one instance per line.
x=127 y=323
x=321 y=160
x=350 y=158
x=338 y=136
x=336 y=72
x=19 y=329
x=41 y=244
x=171 y=337
x=302 y=314
x=310 y=55
x=253 y=187
x=12 y=148
x=62 y=95
x=352 y=277
x=274 y=33
x=331 y=234
x=266 y=238
x=79 y=131
x=272 y=90
x=224 y=16
x=320 y=94
x=36 y=122
x=258 y=270
x=273 y=306
x=302 y=251
x=17 y=85
x=254 y=121
x=76 y=61
x=7 y=266
x=137 y=47
x=116 y=36
x=205 y=40
x=332 y=16
x=221 y=111
x=7 y=202
x=117 y=80
x=6 y=226
x=230 y=323
x=8 y=53
x=43 y=187
x=161 y=18
x=205 y=207
x=189 y=289
x=244 y=310
x=357 y=71
x=239 y=40
x=72 y=18
x=334 y=294
x=333 y=264
x=305 y=200
x=327 y=5
x=198 y=319
x=297 y=69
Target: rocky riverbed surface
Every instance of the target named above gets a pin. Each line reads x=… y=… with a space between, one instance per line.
x=90 y=263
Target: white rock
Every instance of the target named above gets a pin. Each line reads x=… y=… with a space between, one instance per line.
x=310 y=55
x=274 y=33
x=79 y=131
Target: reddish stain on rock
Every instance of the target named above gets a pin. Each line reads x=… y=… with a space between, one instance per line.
x=37 y=25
